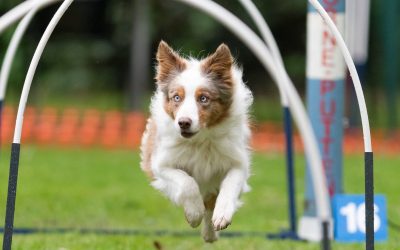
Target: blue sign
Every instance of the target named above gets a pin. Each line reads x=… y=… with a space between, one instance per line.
x=349 y=218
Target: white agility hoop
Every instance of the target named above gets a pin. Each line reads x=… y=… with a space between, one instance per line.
x=261 y=51
x=353 y=73
x=248 y=37
x=267 y=36
x=271 y=43
x=15 y=147
x=32 y=68
x=20 y=10
x=256 y=45
x=12 y=49
x=368 y=158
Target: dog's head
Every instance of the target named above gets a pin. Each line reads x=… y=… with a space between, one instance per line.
x=198 y=94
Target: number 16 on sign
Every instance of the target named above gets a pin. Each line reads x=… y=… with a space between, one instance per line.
x=349 y=217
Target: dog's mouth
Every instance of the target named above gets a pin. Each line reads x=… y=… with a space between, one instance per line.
x=187 y=134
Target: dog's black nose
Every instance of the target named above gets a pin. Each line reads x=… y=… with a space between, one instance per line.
x=184 y=122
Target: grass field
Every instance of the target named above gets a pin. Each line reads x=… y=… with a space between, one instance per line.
x=103 y=189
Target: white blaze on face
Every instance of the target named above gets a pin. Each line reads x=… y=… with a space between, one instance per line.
x=191 y=79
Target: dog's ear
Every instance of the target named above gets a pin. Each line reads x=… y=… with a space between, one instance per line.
x=169 y=62
x=219 y=64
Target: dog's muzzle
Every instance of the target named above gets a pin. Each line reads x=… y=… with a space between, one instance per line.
x=185 y=124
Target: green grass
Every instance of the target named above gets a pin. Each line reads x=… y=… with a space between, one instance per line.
x=97 y=188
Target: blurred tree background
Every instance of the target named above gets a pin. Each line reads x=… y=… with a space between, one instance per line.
x=103 y=50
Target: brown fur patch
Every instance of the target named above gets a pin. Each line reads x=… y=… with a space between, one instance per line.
x=170 y=105
x=218 y=68
x=148 y=147
x=169 y=64
x=209 y=202
x=215 y=110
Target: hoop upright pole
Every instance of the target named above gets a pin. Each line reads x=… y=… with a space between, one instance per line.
x=290 y=173
x=271 y=43
x=9 y=58
x=369 y=201
x=11 y=196
x=369 y=171
x=13 y=175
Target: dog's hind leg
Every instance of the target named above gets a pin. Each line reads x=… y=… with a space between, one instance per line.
x=208 y=232
x=183 y=190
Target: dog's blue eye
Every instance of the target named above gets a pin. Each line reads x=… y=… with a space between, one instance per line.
x=177 y=98
x=203 y=99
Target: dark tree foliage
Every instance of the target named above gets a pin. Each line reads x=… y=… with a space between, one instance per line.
x=89 y=51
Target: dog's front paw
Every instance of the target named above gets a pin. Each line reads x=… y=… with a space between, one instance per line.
x=194 y=211
x=222 y=216
x=220 y=223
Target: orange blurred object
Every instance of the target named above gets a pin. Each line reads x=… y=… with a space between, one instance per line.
x=68 y=127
